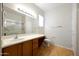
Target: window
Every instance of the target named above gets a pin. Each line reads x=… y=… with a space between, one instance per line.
x=41 y=21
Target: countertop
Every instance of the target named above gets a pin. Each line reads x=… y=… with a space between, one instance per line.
x=11 y=41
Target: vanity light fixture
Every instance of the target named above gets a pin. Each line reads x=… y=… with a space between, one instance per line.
x=24 y=12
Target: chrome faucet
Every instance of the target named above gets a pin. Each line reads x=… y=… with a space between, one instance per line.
x=16 y=36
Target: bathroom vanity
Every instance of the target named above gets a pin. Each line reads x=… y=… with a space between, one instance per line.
x=27 y=46
x=22 y=32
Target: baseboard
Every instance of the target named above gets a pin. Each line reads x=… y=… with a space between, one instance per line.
x=64 y=47
x=74 y=53
x=61 y=46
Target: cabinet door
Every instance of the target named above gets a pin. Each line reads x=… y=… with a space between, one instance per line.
x=10 y=51
x=27 y=48
x=19 y=47
x=35 y=47
x=35 y=43
x=40 y=41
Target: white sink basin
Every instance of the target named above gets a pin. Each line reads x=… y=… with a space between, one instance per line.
x=20 y=38
x=10 y=40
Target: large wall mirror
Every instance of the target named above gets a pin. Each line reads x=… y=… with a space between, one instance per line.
x=13 y=22
x=19 y=21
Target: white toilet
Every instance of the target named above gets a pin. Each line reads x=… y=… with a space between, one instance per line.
x=47 y=42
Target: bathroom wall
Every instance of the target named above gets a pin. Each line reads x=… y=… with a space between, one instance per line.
x=0 y=19
x=58 y=25
x=0 y=26
x=77 y=43
x=74 y=27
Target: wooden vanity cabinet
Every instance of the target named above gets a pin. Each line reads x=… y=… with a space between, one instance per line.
x=27 y=48
x=36 y=44
x=10 y=50
x=40 y=40
x=35 y=47
x=21 y=49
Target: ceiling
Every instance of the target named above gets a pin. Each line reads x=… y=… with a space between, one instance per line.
x=48 y=6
